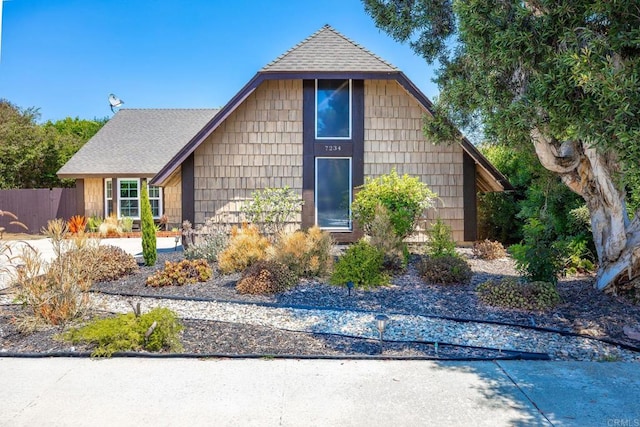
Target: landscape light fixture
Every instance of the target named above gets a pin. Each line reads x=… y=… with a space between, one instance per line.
x=349 y=286
x=381 y=323
x=114 y=102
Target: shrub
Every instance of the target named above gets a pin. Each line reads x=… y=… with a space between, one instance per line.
x=245 y=247
x=487 y=249
x=445 y=269
x=208 y=246
x=77 y=224
x=266 y=277
x=383 y=237
x=110 y=227
x=149 y=242
x=181 y=273
x=511 y=294
x=440 y=241
x=362 y=264
x=59 y=294
x=153 y=331
x=126 y=224
x=93 y=223
x=103 y=262
x=306 y=254
x=574 y=255
x=405 y=198
x=271 y=209
x=537 y=258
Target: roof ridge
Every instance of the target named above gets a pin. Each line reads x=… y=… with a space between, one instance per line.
x=358 y=45
x=168 y=108
x=337 y=33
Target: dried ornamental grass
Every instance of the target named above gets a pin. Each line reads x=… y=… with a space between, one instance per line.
x=245 y=247
x=266 y=277
x=489 y=250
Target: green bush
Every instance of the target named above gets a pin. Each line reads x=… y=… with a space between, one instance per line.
x=445 y=269
x=537 y=258
x=181 y=273
x=271 y=209
x=126 y=332
x=208 y=246
x=405 y=197
x=440 y=241
x=575 y=256
x=383 y=237
x=362 y=264
x=149 y=252
x=511 y=294
x=93 y=223
x=266 y=277
x=126 y=224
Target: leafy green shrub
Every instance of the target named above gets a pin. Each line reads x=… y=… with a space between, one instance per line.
x=266 y=277
x=181 y=273
x=440 y=241
x=149 y=242
x=445 y=269
x=126 y=332
x=208 y=246
x=245 y=247
x=362 y=264
x=383 y=237
x=487 y=249
x=271 y=209
x=537 y=258
x=306 y=254
x=93 y=223
x=526 y=296
x=405 y=197
x=575 y=256
x=102 y=262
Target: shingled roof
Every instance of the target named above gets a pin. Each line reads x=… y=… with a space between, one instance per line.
x=328 y=50
x=136 y=142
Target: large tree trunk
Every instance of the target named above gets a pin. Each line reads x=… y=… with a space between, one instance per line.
x=590 y=174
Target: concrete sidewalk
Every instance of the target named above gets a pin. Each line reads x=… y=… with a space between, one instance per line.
x=177 y=392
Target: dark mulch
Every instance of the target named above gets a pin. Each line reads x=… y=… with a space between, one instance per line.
x=583 y=310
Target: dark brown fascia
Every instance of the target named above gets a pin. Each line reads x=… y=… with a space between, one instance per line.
x=260 y=77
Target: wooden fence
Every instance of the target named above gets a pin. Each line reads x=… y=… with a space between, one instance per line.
x=34 y=207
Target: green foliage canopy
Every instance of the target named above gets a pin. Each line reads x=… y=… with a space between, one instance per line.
x=31 y=154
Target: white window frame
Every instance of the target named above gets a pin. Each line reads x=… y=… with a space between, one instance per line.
x=315 y=107
x=139 y=185
x=108 y=201
x=349 y=228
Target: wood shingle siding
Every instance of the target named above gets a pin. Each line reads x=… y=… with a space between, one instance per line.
x=258 y=146
x=93 y=197
x=393 y=138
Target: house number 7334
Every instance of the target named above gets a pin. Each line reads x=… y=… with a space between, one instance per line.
x=332 y=148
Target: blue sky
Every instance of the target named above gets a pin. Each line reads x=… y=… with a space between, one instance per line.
x=66 y=56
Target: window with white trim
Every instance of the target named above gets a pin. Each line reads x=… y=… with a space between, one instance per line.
x=108 y=194
x=128 y=192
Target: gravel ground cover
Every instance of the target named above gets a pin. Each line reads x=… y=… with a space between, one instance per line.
x=316 y=319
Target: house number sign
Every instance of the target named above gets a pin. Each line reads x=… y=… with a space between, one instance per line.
x=331 y=148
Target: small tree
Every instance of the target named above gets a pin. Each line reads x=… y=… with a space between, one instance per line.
x=405 y=198
x=271 y=209
x=148 y=228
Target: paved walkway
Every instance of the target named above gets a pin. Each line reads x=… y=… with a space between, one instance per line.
x=177 y=392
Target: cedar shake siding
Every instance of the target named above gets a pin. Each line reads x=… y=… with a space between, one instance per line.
x=393 y=138
x=172 y=193
x=258 y=146
x=93 y=197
